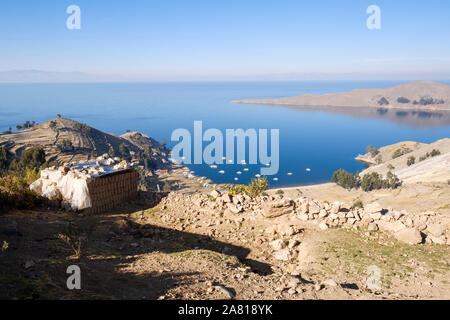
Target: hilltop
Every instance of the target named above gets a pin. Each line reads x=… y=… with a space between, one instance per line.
x=420 y=95
x=65 y=140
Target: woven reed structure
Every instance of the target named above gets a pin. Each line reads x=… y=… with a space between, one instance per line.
x=109 y=190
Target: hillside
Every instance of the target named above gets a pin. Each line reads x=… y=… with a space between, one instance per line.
x=86 y=142
x=420 y=95
x=428 y=166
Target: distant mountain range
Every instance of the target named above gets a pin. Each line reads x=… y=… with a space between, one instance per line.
x=39 y=76
x=421 y=95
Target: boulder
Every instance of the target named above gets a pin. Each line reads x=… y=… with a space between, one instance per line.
x=409 y=236
x=323 y=226
x=277 y=208
x=436 y=229
x=282 y=255
x=373 y=207
x=215 y=194
x=277 y=244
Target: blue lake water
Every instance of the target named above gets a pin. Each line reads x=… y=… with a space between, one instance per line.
x=322 y=140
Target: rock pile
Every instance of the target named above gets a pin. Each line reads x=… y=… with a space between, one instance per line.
x=406 y=227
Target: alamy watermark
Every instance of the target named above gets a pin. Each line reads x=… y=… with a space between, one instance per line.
x=73 y=22
x=373 y=282
x=374 y=20
x=74 y=280
x=220 y=150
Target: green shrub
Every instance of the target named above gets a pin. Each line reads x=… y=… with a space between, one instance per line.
x=372 y=150
x=345 y=179
x=400 y=152
x=124 y=152
x=411 y=160
x=15 y=193
x=357 y=204
x=435 y=153
x=255 y=188
x=3 y=158
x=371 y=181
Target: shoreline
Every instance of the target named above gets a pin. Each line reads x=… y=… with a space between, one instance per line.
x=338 y=106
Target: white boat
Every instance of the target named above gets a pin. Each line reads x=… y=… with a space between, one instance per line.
x=308 y=169
x=245 y=169
x=290 y=173
x=239 y=172
x=222 y=171
x=213 y=166
x=275 y=179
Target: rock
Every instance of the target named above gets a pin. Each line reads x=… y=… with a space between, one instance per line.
x=409 y=236
x=287 y=230
x=215 y=194
x=314 y=208
x=277 y=208
x=323 y=213
x=271 y=230
x=282 y=255
x=437 y=240
x=317 y=287
x=333 y=216
x=323 y=225
x=277 y=244
x=373 y=207
x=29 y=264
x=226 y=198
x=292 y=282
x=234 y=208
x=335 y=207
x=303 y=216
x=304 y=208
x=330 y=283
x=292 y=243
x=436 y=229
x=372 y=226
x=226 y=291
x=391 y=226
x=375 y=216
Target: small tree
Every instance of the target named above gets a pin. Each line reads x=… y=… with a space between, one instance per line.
x=124 y=152
x=411 y=160
x=344 y=179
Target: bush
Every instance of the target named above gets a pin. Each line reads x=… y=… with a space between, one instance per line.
x=3 y=158
x=383 y=102
x=344 y=179
x=124 y=152
x=15 y=193
x=82 y=128
x=357 y=204
x=32 y=159
x=65 y=146
x=411 y=160
x=255 y=188
x=372 y=150
x=435 y=153
x=403 y=100
x=400 y=152
x=371 y=181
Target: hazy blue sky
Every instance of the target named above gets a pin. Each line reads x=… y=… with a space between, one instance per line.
x=178 y=39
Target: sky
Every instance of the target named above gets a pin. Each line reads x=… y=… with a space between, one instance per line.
x=175 y=39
